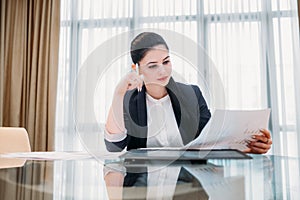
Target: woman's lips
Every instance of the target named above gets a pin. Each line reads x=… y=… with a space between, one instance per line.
x=163 y=78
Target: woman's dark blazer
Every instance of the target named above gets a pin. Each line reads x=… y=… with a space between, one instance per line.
x=190 y=109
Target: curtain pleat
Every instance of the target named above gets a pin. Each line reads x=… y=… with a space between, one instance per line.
x=299 y=13
x=29 y=63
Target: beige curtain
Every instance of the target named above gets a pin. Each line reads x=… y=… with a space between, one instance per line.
x=29 y=35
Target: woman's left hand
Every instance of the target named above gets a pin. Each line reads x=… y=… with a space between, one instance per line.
x=261 y=143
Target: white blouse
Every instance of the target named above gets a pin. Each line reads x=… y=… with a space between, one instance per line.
x=162 y=126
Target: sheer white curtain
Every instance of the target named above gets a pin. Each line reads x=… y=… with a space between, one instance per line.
x=253 y=44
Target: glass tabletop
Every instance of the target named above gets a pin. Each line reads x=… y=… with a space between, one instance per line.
x=263 y=177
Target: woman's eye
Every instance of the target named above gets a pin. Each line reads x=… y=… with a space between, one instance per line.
x=152 y=66
x=166 y=62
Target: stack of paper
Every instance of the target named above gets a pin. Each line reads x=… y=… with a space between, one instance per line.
x=231 y=129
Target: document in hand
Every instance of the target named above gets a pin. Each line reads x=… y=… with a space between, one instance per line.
x=231 y=129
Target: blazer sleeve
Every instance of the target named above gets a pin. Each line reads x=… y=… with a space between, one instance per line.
x=115 y=146
x=204 y=111
x=135 y=120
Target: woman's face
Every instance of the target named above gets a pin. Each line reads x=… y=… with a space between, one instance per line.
x=156 y=66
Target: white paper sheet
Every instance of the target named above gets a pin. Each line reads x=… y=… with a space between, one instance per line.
x=231 y=129
x=54 y=155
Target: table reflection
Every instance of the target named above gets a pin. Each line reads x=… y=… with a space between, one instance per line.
x=32 y=180
x=176 y=181
x=263 y=177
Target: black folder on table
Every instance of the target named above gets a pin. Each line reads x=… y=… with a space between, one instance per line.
x=184 y=154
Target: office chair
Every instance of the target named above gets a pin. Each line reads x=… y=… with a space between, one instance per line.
x=13 y=140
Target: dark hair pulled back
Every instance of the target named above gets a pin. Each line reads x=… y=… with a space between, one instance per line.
x=144 y=42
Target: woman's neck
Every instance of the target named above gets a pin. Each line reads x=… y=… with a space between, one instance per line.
x=157 y=92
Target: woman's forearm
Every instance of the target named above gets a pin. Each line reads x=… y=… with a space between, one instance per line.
x=115 y=119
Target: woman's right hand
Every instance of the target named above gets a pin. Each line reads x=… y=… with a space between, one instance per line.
x=129 y=82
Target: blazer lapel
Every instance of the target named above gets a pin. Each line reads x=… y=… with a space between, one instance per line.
x=141 y=113
x=141 y=107
x=185 y=107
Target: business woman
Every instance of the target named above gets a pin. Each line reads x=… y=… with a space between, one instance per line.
x=150 y=109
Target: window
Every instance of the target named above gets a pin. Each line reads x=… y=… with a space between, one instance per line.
x=252 y=44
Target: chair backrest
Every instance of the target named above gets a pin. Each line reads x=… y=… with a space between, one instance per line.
x=13 y=140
